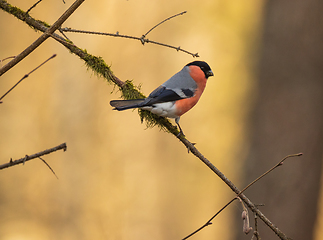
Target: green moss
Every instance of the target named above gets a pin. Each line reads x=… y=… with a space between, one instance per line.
x=130 y=91
x=17 y=12
x=22 y=15
x=44 y=23
x=100 y=68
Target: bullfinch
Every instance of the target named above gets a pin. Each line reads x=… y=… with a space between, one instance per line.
x=175 y=96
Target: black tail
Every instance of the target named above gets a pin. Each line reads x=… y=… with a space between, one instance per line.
x=126 y=104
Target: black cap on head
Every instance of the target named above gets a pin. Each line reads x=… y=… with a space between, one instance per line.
x=204 y=67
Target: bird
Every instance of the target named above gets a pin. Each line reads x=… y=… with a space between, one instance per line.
x=174 y=97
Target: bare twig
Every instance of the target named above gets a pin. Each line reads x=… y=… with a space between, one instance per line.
x=33 y=6
x=142 y=39
x=277 y=165
x=255 y=232
x=26 y=75
x=48 y=166
x=30 y=157
x=252 y=206
x=60 y=30
x=178 y=14
x=42 y=38
x=209 y=222
x=105 y=72
x=2 y=60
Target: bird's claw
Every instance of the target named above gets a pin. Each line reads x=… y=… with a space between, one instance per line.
x=180 y=133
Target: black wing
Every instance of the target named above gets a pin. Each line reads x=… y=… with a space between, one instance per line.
x=162 y=94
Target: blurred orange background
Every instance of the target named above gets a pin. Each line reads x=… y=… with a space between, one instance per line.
x=117 y=179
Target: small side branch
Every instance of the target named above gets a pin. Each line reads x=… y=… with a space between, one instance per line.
x=163 y=22
x=33 y=156
x=33 y=6
x=26 y=75
x=142 y=39
x=130 y=92
x=274 y=167
x=50 y=168
x=240 y=196
x=209 y=222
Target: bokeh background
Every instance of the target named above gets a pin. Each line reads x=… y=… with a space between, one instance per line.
x=120 y=180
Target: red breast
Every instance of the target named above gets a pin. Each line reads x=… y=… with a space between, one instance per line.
x=182 y=106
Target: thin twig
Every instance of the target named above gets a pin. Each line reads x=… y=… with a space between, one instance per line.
x=178 y=14
x=106 y=73
x=142 y=39
x=33 y=6
x=240 y=193
x=2 y=60
x=42 y=38
x=48 y=166
x=60 y=30
x=277 y=165
x=27 y=75
x=209 y=222
x=30 y=157
x=256 y=233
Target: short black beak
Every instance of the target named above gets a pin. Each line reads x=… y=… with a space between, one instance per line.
x=209 y=73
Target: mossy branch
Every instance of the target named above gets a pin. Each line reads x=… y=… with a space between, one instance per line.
x=49 y=31
x=128 y=90
x=98 y=66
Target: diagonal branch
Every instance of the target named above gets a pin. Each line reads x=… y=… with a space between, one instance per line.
x=30 y=157
x=250 y=204
x=33 y=6
x=273 y=168
x=42 y=38
x=178 y=14
x=129 y=91
x=25 y=76
x=48 y=166
x=209 y=222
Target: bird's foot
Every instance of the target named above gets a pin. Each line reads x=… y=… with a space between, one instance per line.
x=180 y=133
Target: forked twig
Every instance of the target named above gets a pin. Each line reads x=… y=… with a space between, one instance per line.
x=26 y=75
x=239 y=194
x=142 y=39
x=42 y=38
x=30 y=157
x=103 y=70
